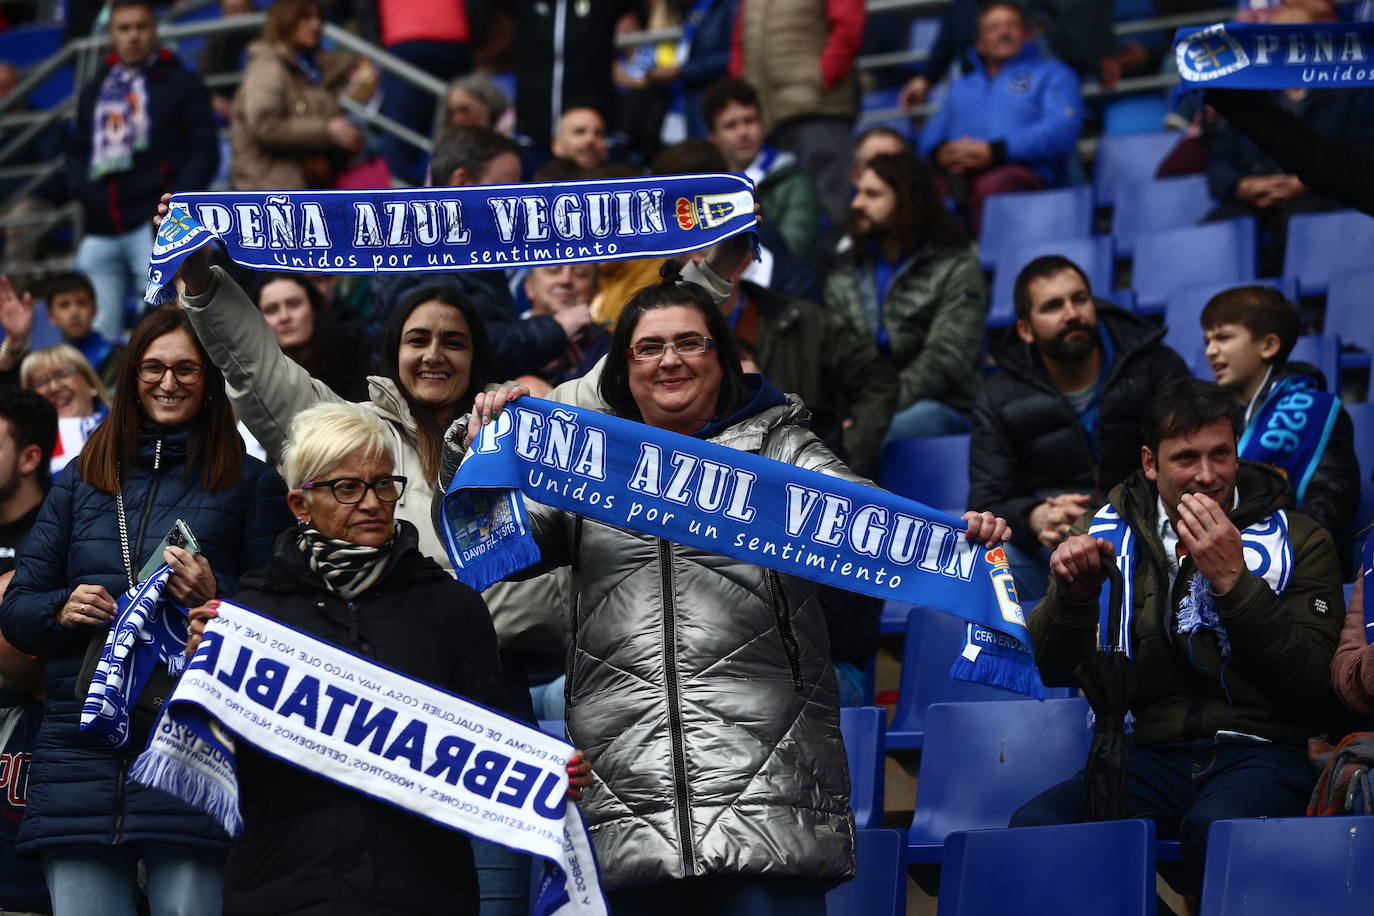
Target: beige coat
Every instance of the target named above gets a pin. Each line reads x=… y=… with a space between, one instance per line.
x=783 y=41
x=281 y=119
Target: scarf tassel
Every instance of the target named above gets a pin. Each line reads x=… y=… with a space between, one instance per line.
x=162 y=771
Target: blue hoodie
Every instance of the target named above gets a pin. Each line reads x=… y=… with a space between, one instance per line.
x=1031 y=112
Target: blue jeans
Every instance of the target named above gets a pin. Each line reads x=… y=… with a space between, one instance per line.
x=412 y=106
x=549 y=699
x=117 y=266
x=927 y=417
x=183 y=880
x=723 y=895
x=1183 y=787
x=503 y=875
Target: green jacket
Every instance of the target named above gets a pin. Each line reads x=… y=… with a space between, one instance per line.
x=788 y=200
x=933 y=311
x=810 y=352
x=1278 y=675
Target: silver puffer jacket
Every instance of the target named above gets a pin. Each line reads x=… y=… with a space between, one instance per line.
x=702 y=692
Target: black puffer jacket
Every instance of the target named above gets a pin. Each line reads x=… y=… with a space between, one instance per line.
x=311 y=847
x=77 y=791
x=1027 y=442
x=182 y=153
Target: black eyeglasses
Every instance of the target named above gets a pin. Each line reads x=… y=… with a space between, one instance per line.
x=152 y=371
x=683 y=346
x=351 y=490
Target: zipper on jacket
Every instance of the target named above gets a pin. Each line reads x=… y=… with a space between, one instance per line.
x=119 y=801
x=684 y=818
x=136 y=548
x=789 y=639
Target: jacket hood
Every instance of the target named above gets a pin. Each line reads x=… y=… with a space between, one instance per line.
x=1130 y=333
x=762 y=396
x=386 y=396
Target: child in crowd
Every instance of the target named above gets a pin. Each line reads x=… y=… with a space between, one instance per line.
x=71 y=309
x=1291 y=421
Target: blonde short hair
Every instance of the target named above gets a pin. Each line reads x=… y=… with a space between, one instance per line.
x=57 y=357
x=326 y=434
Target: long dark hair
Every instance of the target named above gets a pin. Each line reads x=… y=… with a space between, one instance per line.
x=920 y=217
x=672 y=291
x=429 y=435
x=215 y=444
x=313 y=355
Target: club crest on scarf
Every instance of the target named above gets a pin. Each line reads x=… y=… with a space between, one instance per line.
x=147 y=631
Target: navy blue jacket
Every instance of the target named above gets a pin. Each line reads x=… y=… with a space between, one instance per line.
x=182 y=153
x=77 y=791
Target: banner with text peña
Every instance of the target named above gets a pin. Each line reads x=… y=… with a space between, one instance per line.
x=736 y=504
x=479 y=227
x=1231 y=55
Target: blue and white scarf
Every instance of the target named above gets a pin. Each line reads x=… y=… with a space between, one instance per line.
x=736 y=504
x=441 y=229
x=1247 y=56
x=121 y=126
x=147 y=631
x=375 y=731
x=1291 y=428
x=1268 y=554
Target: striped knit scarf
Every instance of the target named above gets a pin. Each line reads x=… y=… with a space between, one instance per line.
x=348 y=569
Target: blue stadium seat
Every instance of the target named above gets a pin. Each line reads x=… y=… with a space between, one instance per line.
x=1096 y=254
x=1362 y=415
x=879 y=886
x=1102 y=867
x=933 y=641
x=1278 y=866
x=1321 y=245
x=894 y=618
x=1164 y=203
x=862 y=728
x=1128 y=158
x=1322 y=351
x=985 y=760
x=1349 y=302
x=1172 y=259
x=932 y=470
x=1010 y=219
x=1183 y=311
x=1134 y=114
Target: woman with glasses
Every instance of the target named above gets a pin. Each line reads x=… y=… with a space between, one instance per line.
x=167 y=451
x=62 y=375
x=353 y=574
x=701 y=685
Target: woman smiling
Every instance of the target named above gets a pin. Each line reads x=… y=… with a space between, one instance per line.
x=62 y=375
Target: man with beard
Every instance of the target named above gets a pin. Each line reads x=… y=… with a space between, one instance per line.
x=1059 y=426
x=1234 y=612
x=28 y=434
x=911 y=284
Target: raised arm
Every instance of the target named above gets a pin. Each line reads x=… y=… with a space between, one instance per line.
x=266 y=387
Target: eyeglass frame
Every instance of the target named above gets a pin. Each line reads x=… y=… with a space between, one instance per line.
x=41 y=382
x=399 y=479
x=708 y=344
x=168 y=367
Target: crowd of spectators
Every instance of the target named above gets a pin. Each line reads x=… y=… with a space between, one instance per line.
x=861 y=320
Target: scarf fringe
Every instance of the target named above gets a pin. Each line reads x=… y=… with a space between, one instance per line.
x=173 y=776
x=998 y=671
x=497 y=565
